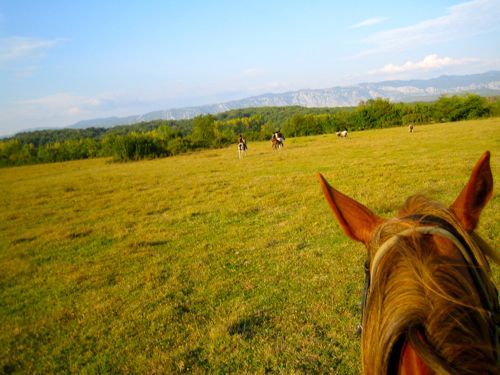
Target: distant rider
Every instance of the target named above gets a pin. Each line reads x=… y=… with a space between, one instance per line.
x=243 y=142
x=279 y=136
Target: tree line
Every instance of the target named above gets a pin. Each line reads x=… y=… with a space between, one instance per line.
x=161 y=138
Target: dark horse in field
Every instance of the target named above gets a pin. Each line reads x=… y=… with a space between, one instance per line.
x=430 y=305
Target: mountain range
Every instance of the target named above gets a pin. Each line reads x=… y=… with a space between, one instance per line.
x=341 y=96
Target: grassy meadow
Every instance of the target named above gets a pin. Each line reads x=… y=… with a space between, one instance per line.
x=207 y=263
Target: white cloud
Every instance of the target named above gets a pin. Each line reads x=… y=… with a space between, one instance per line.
x=25 y=71
x=74 y=111
x=461 y=21
x=369 y=22
x=251 y=73
x=15 y=49
x=56 y=101
x=430 y=62
x=61 y=108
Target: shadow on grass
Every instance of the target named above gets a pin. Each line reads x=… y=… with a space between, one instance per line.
x=248 y=326
x=148 y=243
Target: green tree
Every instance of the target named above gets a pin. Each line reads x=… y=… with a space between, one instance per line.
x=203 y=131
x=179 y=145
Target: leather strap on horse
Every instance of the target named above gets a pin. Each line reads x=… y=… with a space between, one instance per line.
x=359 y=329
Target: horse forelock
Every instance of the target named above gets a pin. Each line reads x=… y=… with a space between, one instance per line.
x=427 y=298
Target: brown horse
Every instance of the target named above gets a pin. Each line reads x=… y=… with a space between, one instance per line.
x=430 y=305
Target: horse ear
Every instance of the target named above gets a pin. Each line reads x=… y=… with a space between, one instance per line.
x=356 y=220
x=475 y=195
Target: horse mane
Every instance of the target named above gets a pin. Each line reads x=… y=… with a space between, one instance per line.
x=429 y=300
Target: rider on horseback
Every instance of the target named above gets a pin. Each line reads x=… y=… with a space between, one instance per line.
x=243 y=143
x=279 y=136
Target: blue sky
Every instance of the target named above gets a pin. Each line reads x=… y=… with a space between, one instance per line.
x=65 y=61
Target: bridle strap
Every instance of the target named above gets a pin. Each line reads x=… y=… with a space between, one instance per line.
x=435 y=231
x=365 y=296
x=442 y=223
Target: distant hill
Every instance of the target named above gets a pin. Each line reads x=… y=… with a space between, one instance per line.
x=341 y=96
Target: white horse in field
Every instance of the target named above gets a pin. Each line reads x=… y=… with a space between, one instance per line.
x=342 y=134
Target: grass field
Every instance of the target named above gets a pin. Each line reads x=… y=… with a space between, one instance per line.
x=207 y=263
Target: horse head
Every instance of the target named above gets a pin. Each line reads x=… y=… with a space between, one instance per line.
x=431 y=306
